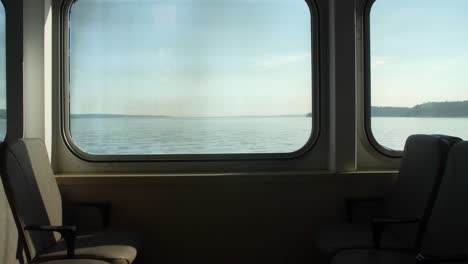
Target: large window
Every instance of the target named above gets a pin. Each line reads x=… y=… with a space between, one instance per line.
x=3 y=123
x=418 y=65
x=189 y=77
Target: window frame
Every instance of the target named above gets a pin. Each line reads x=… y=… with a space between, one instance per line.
x=3 y=4
x=368 y=89
x=64 y=104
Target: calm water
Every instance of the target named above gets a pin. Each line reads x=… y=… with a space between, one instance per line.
x=152 y=135
x=140 y=135
x=392 y=132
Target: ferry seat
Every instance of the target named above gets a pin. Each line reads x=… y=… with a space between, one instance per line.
x=37 y=203
x=73 y=261
x=404 y=213
x=11 y=251
x=446 y=238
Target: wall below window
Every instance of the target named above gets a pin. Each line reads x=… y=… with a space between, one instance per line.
x=237 y=218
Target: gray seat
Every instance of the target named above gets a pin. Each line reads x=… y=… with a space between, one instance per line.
x=420 y=173
x=9 y=252
x=8 y=232
x=73 y=261
x=37 y=205
x=446 y=239
x=104 y=245
x=363 y=256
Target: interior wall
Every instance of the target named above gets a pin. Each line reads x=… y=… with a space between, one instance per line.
x=37 y=70
x=33 y=73
x=247 y=212
x=342 y=145
x=269 y=218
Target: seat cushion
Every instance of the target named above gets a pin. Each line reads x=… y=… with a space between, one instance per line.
x=118 y=248
x=373 y=257
x=332 y=238
x=73 y=261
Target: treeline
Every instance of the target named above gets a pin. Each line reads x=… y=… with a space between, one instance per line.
x=113 y=116
x=431 y=109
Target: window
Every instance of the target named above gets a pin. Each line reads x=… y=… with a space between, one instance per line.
x=3 y=123
x=418 y=61
x=175 y=77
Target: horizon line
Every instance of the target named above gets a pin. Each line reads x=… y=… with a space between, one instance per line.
x=174 y=116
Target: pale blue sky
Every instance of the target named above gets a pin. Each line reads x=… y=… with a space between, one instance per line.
x=191 y=57
x=419 y=51
x=251 y=57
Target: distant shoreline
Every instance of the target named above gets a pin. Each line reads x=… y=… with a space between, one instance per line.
x=167 y=116
x=458 y=109
x=432 y=109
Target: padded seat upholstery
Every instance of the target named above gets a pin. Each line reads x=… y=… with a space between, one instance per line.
x=419 y=177
x=73 y=261
x=113 y=247
x=31 y=184
x=359 y=236
x=447 y=228
x=9 y=238
x=447 y=231
x=363 y=256
x=8 y=231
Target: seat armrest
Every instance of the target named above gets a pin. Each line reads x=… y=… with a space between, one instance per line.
x=352 y=203
x=379 y=225
x=424 y=259
x=67 y=232
x=103 y=208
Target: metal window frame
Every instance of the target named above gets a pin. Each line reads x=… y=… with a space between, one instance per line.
x=368 y=89
x=14 y=67
x=73 y=148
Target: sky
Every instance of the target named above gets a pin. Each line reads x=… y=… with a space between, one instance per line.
x=248 y=57
x=419 y=52
x=190 y=57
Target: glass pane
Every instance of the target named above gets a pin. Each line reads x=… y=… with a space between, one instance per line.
x=3 y=124
x=190 y=76
x=419 y=57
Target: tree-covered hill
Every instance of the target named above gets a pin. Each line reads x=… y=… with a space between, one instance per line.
x=431 y=109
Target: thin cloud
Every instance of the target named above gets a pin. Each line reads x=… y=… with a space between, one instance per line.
x=378 y=61
x=281 y=60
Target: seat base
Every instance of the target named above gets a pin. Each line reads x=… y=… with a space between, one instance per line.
x=118 y=248
x=73 y=261
x=333 y=238
x=373 y=257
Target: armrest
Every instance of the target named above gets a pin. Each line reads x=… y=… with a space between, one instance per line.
x=423 y=259
x=350 y=204
x=67 y=232
x=378 y=226
x=103 y=208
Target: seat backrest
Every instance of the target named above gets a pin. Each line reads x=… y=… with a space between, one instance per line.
x=447 y=229
x=8 y=232
x=32 y=188
x=419 y=178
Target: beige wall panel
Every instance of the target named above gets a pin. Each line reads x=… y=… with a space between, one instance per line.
x=225 y=219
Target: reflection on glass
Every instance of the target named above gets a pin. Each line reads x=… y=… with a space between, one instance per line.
x=419 y=57
x=190 y=77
